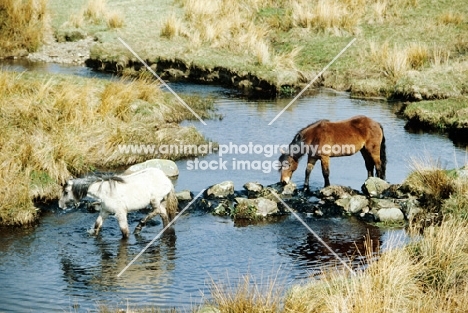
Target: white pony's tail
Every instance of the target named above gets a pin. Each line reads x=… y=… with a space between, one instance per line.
x=172 y=204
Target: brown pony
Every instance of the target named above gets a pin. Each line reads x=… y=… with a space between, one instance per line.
x=324 y=139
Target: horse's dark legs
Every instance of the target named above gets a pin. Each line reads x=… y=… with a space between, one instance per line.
x=369 y=162
x=98 y=224
x=372 y=158
x=309 y=168
x=325 y=160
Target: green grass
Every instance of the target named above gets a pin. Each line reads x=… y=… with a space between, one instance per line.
x=278 y=28
x=439 y=114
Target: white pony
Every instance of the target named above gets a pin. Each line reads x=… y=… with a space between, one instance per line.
x=120 y=194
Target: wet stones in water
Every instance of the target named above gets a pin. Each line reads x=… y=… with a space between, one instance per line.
x=184 y=195
x=353 y=204
x=381 y=202
x=289 y=189
x=334 y=192
x=389 y=215
x=221 y=190
x=253 y=189
x=374 y=187
x=167 y=166
x=263 y=207
x=411 y=207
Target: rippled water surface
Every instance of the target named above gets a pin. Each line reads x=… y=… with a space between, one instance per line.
x=58 y=267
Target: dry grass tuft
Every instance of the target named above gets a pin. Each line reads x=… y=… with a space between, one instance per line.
x=96 y=12
x=172 y=27
x=23 y=25
x=246 y=296
x=331 y=16
x=442 y=257
x=418 y=55
x=392 y=61
x=430 y=179
x=451 y=18
x=395 y=61
x=114 y=19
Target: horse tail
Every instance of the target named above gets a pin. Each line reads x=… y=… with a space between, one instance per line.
x=172 y=204
x=383 y=155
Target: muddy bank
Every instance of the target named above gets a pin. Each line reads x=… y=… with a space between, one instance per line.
x=178 y=70
x=448 y=116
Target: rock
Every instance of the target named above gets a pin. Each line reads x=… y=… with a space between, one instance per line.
x=357 y=204
x=221 y=190
x=343 y=203
x=221 y=209
x=374 y=186
x=367 y=217
x=353 y=204
x=245 y=84
x=184 y=195
x=378 y=204
x=167 y=166
x=277 y=188
x=264 y=206
x=73 y=48
x=411 y=208
x=386 y=210
x=289 y=189
x=336 y=192
x=389 y=215
x=394 y=191
x=253 y=187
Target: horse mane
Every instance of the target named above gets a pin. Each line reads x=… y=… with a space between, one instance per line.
x=296 y=140
x=312 y=125
x=80 y=186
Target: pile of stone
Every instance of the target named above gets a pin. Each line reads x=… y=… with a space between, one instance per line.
x=378 y=201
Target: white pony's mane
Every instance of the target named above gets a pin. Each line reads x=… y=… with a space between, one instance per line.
x=80 y=186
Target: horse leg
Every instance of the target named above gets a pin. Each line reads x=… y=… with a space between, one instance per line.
x=310 y=166
x=98 y=224
x=369 y=162
x=123 y=224
x=157 y=209
x=374 y=155
x=325 y=161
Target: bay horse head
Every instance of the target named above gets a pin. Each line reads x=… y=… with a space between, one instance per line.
x=288 y=164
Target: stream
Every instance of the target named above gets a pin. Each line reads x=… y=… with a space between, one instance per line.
x=58 y=267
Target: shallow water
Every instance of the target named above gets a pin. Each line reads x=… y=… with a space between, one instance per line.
x=57 y=266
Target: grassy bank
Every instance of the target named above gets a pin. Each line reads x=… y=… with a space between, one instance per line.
x=54 y=127
x=447 y=114
x=406 y=48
